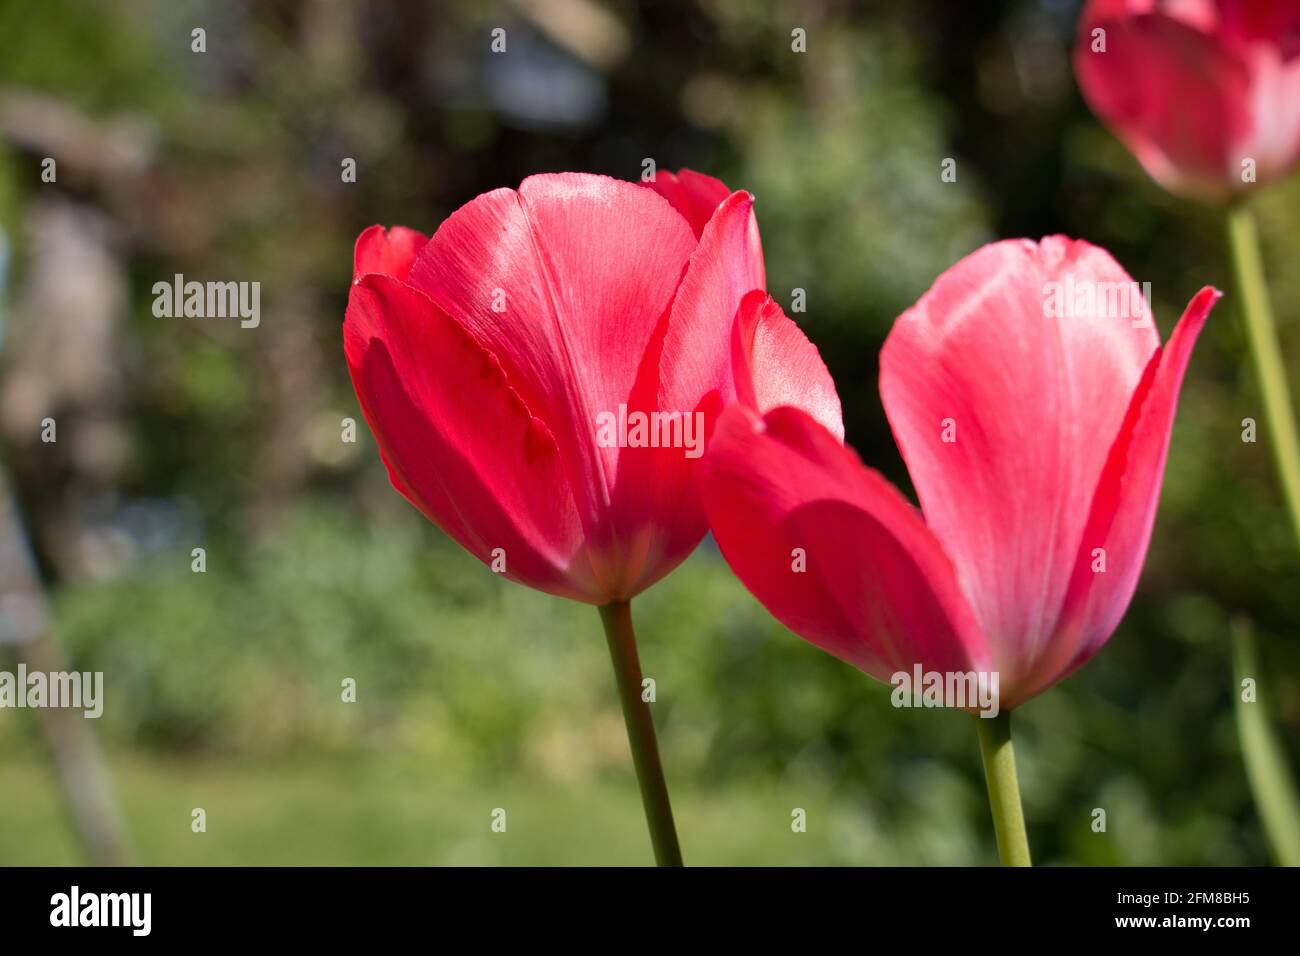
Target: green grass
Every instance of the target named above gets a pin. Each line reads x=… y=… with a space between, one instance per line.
x=338 y=811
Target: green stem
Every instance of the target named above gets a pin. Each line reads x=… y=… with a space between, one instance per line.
x=1004 y=789
x=617 y=618
x=1264 y=755
x=1243 y=240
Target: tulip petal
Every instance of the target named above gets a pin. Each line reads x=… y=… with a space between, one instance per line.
x=694 y=195
x=877 y=591
x=389 y=252
x=1250 y=22
x=1274 y=139
x=459 y=442
x=1123 y=509
x=566 y=282
x=695 y=362
x=774 y=364
x=1005 y=388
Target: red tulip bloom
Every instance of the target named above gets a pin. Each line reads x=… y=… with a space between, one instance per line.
x=1206 y=93
x=1033 y=403
x=487 y=359
x=543 y=373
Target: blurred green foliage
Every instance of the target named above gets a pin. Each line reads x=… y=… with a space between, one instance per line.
x=465 y=681
x=224 y=687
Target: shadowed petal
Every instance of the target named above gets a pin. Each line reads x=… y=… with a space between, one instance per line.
x=877 y=590
x=459 y=443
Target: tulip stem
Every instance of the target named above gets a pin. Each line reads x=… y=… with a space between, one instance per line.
x=1004 y=788
x=617 y=618
x=1257 y=313
x=1264 y=754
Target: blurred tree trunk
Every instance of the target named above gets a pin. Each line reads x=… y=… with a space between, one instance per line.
x=25 y=625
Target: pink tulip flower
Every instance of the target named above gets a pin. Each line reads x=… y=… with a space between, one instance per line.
x=485 y=357
x=542 y=376
x=1206 y=93
x=1033 y=403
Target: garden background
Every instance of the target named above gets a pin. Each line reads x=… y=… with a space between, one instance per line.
x=223 y=688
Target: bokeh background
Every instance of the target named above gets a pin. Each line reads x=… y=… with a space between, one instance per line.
x=223 y=688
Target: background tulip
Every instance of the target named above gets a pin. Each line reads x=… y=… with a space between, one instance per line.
x=1035 y=435
x=485 y=357
x=1206 y=93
